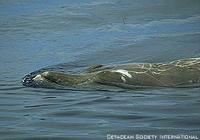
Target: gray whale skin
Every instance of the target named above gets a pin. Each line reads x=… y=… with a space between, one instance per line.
x=175 y=74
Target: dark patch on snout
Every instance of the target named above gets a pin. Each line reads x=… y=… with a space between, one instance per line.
x=28 y=79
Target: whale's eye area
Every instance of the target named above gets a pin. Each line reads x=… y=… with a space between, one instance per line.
x=46 y=73
x=38 y=78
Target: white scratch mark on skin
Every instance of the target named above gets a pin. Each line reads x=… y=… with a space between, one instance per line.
x=123 y=79
x=45 y=73
x=139 y=72
x=150 y=65
x=155 y=72
x=38 y=78
x=123 y=72
x=142 y=66
x=161 y=70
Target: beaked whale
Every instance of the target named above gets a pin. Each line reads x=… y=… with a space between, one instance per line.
x=175 y=74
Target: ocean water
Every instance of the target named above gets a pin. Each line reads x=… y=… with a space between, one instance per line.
x=35 y=34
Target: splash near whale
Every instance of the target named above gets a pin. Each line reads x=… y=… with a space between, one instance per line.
x=175 y=74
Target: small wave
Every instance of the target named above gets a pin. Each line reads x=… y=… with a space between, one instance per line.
x=97 y=3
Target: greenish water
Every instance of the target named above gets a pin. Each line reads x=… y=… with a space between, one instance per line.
x=37 y=34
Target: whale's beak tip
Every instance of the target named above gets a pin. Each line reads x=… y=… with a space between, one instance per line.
x=28 y=80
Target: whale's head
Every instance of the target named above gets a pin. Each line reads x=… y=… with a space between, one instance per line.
x=36 y=79
x=29 y=81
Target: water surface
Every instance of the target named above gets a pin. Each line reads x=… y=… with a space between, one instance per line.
x=37 y=34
